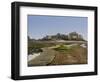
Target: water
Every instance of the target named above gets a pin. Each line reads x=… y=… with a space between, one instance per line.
x=33 y=56
x=83 y=45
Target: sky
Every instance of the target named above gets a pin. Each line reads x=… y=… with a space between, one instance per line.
x=42 y=25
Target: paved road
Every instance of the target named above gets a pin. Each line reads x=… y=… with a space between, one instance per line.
x=44 y=58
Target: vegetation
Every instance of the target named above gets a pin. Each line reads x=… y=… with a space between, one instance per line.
x=61 y=48
x=75 y=55
x=59 y=36
x=38 y=45
x=58 y=49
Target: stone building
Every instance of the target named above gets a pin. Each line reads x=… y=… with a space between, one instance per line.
x=58 y=36
x=74 y=36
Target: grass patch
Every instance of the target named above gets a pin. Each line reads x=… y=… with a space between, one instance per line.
x=36 y=45
x=61 y=48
